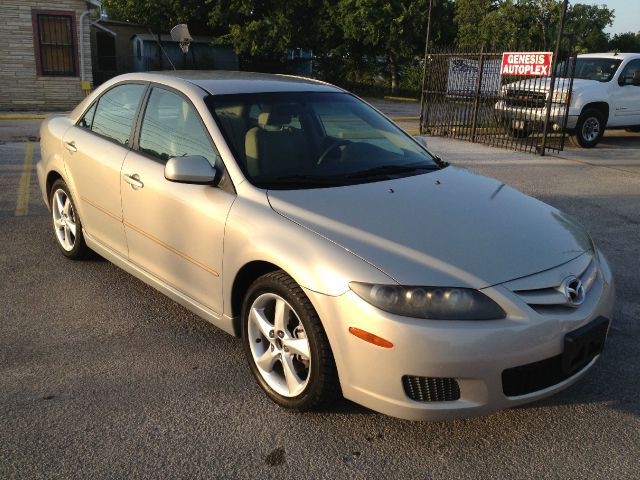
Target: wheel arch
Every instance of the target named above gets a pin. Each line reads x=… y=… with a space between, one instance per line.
x=603 y=107
x=52 y=177
x=243 y=279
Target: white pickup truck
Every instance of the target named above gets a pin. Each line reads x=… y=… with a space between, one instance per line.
x=606 y=94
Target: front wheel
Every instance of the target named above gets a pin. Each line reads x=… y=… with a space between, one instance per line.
x=589 y=129
x=285 y=344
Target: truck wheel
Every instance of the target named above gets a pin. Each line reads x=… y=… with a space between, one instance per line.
x=589 y=129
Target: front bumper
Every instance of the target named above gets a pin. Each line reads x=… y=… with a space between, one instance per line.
x=521 y=118
x=475 y=353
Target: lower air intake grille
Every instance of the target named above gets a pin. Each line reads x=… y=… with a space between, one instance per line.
x=533 y=377
x=431 y=389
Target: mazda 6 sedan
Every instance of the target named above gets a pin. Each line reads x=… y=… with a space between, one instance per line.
x=351 y=261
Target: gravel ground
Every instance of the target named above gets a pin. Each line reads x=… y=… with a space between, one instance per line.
x=103 y=377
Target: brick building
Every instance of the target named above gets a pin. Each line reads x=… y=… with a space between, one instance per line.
x=45 y=62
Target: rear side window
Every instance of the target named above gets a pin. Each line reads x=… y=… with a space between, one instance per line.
x=116 y=109
x=171 y=128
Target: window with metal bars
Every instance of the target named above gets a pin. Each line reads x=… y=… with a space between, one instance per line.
x=55 y=43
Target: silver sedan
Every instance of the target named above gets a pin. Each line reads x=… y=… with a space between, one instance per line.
x=350 y=259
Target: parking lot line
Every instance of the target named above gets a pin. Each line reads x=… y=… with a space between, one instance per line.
x=22 y=203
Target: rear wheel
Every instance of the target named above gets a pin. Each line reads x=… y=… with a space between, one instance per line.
x=589 y=129
x=67 y=226
x=285 y=344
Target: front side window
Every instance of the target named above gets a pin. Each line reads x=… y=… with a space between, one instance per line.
x=87 y=119
x=54 y=43
x=116 y=110
x=171 y=128
x=631 y=73
x=311 y=139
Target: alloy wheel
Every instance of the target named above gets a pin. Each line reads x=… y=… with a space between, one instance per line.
x=279 y=345
x=591 y=129
x=64 y=220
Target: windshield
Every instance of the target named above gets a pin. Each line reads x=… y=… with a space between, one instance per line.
x=289 y=140
x=599 y=69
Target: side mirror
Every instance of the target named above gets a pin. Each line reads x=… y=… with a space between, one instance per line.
x=421 y=140
x=190 y=169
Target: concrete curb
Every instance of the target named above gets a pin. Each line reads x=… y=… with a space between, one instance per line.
x=20 y=116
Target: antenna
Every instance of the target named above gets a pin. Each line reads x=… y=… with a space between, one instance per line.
x=162 y=49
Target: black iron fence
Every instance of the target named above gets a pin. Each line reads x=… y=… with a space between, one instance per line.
x=468 y=96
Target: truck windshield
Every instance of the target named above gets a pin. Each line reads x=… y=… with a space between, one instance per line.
x=598 y=69
x=292 y=140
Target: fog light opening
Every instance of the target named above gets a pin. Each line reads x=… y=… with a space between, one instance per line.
x=370 y=337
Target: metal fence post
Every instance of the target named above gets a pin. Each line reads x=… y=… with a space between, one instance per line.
x=424 y=70
x=552 y=80
x=476 y=100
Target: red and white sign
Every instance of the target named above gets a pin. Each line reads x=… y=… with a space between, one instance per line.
x=537 y=64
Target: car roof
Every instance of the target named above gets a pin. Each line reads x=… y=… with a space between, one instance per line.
x=224 y=82
x=620 y=56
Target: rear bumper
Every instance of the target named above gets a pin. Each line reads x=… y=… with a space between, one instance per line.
x=42 y=182
x=475 y=354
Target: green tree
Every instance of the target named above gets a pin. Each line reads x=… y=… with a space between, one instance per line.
x=468 y=16
x=529 y=24
x=588 y=22
x=394 y=30
x=160 y=15
x=267 y=28
x=625 y=42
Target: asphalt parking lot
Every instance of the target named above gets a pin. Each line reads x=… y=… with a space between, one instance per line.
x=103 y=377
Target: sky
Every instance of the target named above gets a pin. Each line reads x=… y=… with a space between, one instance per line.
x=627 y=14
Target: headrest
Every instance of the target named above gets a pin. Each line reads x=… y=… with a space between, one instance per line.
x=278 y=115
x=274 y=119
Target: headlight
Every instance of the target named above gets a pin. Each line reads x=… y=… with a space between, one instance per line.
x=435 y=303
x=560 y=96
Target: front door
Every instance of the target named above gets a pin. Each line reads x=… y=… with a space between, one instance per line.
x=175 y=231
x=95 y=151
x=626 y=96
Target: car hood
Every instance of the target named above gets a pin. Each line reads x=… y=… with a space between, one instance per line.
x=449 y=227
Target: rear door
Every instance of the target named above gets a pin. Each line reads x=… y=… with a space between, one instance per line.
x=96 y=148
x=175 y=231
x=627 y=95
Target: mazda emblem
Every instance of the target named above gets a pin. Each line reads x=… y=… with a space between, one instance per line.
x=573 y=290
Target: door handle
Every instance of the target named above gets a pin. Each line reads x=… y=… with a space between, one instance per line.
x=71 y=146
x=133 y=180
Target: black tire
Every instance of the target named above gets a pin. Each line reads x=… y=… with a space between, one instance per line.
x=80 y=249
x=583 y=135
x=323 y=386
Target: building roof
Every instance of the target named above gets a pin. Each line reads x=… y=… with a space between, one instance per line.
x=223 y=82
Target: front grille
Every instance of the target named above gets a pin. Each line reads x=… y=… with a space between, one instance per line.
x=552 y=299
x=525 y=99
x=431 y=389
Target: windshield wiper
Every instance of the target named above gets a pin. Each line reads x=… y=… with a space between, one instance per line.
x=391 y=170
